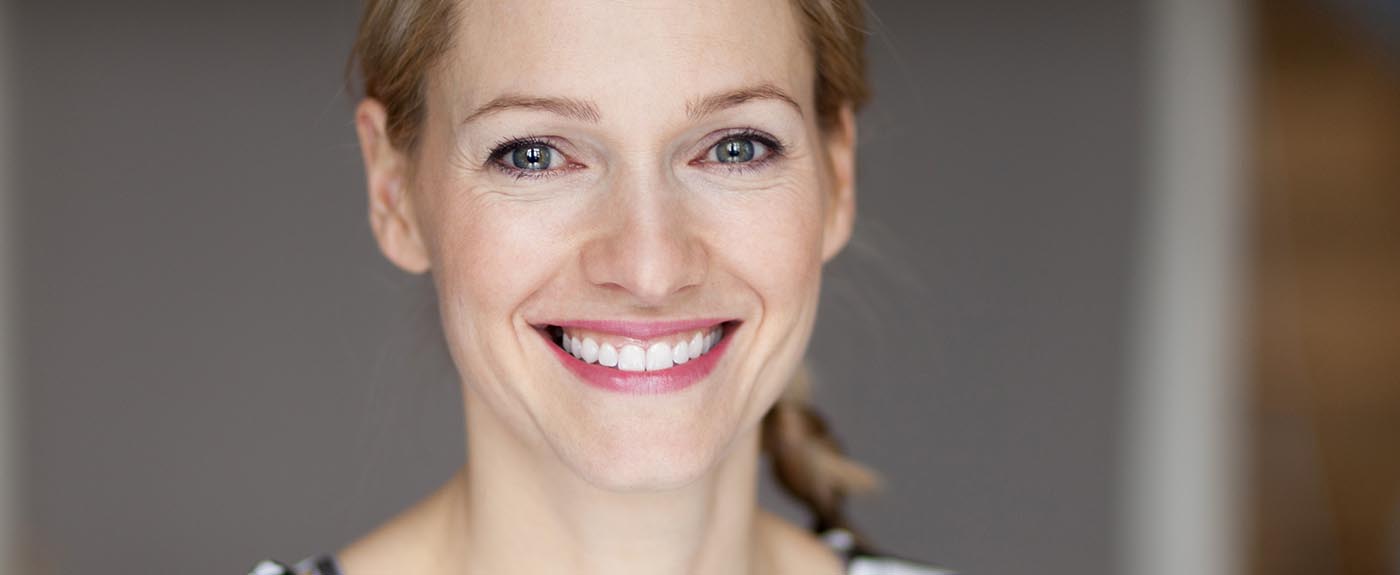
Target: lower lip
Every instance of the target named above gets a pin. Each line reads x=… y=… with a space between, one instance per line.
x=675 y=378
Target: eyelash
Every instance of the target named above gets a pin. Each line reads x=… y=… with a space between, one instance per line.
x=776 y=150
x=505 y=147
x=509 y=145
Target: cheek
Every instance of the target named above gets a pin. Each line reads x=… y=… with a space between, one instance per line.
x=487 y=248
x=772 y=238
x=492 y=250
x=489 y=254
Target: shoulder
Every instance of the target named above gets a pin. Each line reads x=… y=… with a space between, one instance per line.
x=880 y=565
x=860 y=562
x=834 y=551
x=321 y=565
x=400 y=545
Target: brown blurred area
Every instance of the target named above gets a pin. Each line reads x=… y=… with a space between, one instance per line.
x=1326 y=326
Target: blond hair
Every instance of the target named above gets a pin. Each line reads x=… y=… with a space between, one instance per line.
x=400 y=41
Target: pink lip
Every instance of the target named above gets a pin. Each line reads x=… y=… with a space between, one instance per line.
x=641 y=329
x=676 y=378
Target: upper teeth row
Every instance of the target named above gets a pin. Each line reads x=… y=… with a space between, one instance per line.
x=631 y=357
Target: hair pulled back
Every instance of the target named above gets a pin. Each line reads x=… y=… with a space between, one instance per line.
x=400 y=41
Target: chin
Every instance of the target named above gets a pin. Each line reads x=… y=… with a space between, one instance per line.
x=635 y=458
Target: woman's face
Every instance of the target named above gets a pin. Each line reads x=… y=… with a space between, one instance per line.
x=637 y=177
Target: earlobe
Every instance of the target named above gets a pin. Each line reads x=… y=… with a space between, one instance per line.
x=841 y=152
x=391 y=214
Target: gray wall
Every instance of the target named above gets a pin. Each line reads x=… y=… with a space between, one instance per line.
x=217 y=365
x=8 y=428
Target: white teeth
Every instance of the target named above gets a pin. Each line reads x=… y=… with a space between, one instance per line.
x=631 y=358
x=697 y=345
x=590 y=350
x=658 y=357
x=607 y=355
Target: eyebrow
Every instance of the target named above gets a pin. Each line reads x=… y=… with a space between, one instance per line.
x=585 y=111
x=567 y=107
x=725 y=100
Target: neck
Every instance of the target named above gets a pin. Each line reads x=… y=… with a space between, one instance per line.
x=524 y=512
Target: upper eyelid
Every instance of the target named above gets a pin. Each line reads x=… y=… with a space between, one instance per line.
x=498 y=153
x=775 y=146
x=752 y=133
x=500 y=148
x=495 y=159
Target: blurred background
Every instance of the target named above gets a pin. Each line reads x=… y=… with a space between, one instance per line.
x=1124 y=297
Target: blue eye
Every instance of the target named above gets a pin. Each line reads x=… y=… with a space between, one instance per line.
x=734 y=151
x=738 y=150
x=532 y=157
x=528 y=158
x=743 y=151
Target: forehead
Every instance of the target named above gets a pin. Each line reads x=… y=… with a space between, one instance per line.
x=625 y=54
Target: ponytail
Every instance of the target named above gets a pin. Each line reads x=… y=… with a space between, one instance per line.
x=808 y=462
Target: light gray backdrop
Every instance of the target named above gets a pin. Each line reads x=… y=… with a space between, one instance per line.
x=217 y=365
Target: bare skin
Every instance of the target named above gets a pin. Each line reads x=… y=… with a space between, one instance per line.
x=627 y=213
x=435 y=537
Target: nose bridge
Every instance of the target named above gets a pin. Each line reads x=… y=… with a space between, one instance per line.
x=649 y=247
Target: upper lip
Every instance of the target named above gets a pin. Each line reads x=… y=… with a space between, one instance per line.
x=639 y=329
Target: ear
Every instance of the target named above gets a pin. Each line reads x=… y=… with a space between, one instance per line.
x=841 y=157
x=390 y=206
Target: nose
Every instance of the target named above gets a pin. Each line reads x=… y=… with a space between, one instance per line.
x=647 y=246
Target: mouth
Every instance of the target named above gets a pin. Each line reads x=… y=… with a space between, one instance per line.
x=640 y=357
